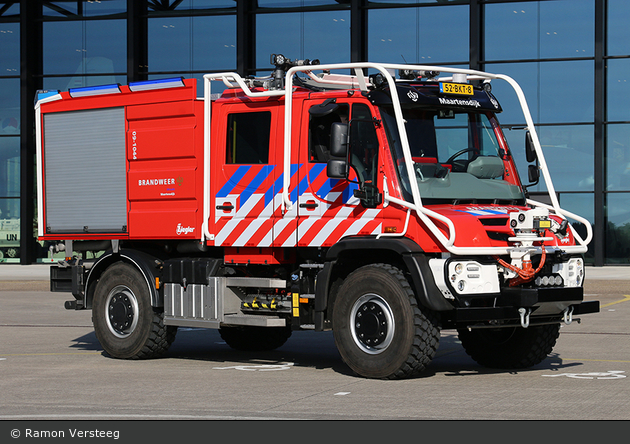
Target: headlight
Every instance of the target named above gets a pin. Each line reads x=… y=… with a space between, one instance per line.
x=471 y=277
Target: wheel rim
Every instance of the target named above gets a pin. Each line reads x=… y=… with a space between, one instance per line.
x=121 y=308
x=372 y=323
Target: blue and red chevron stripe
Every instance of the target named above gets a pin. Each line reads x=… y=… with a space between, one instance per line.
x=257 y=219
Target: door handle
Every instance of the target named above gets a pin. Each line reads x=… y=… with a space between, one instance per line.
x=225 y=207
x=309 y=205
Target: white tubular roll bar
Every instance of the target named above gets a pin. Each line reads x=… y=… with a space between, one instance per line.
x=40 y=167
x=360 y=81
x=231 y=80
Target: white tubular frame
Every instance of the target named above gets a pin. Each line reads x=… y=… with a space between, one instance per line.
x=231 y=80
x=359 y=80
x=40 y=161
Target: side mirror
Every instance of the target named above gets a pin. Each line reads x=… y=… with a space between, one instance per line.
x=533 y=174
x=530 y=151
x=339 y=140
x=337 y=167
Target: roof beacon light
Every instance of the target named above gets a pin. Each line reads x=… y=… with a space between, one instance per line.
x=149 y=85
x=94 y=90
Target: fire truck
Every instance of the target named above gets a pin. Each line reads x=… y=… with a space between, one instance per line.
x=379 y=201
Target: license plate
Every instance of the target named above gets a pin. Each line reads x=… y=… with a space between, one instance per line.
x=456 y=88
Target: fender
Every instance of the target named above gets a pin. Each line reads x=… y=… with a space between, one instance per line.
x=146 y=264
x=417 y=263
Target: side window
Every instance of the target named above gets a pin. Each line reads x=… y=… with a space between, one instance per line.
x=364 y=143
x=319 y=133
x=248 y=138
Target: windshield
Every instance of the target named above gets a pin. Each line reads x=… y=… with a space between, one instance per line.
x=457 y=156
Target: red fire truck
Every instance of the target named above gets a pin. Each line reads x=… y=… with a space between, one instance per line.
x=378 y=201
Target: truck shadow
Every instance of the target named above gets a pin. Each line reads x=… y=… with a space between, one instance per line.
x=303 y=349
x=451 y=360
x=318 y=351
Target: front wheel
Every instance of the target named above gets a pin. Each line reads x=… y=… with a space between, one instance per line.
x=510 y=348
x=378 y=327
x=124 y=320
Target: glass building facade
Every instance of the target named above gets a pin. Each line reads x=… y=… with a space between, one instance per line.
x=571 y=57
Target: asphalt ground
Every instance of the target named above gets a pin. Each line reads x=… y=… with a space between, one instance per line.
x=52 y=368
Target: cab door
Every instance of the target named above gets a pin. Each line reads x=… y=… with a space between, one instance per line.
x=243 y=172
x=327 y=208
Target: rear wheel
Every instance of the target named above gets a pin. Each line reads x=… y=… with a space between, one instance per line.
x=510 y=348
x=378 y=327
x=124 y=320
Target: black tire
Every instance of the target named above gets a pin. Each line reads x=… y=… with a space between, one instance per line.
x=124 y=321
x=247 y=338
x=379 y=329
x=510 y=348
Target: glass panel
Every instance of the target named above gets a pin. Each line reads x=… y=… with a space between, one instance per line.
x=363 y=144
x=419 y=35
x=568 y=151
x=10 y=9
x=457 y=144
x=10 y=44
x=60 y=9
x=63 y=55
x=532 y=30
x=248 y=138
x=96 y=46
x=569 y=154
x=267 y=41
x=10 y=106
x=319 y=132
x=84 y=8
x=294 y=3
x=212 y=4
x=9 y=169
x=65 y=83
x=332 y=44
x=526 y=74
x=332 y=29
x=565 y=96
x=169 y=44
x=161 y=6
x=511 y=31
x=399 y=2
x=618 y=30
x=618 y=228
x=9 y=230
x=567 y=28
x=618 y=90
x=555 y=91
x=618 y=158
x=582 y=204
x=213 y=43
x=192 y=43
x=101 y=8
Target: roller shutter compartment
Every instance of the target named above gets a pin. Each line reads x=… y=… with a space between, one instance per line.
x=85 y=167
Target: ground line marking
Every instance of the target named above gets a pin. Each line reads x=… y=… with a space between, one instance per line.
x=625 y=299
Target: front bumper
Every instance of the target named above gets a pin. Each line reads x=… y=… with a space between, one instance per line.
x=543 y=305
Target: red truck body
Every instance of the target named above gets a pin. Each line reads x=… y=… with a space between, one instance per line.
x=260 y=208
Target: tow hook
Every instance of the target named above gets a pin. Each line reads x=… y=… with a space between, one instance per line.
x=568 y=315
x=524 y=316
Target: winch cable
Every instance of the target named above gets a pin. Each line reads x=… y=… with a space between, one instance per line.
x=527 y=273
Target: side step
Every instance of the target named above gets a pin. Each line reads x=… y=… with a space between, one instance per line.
x=247 y=320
